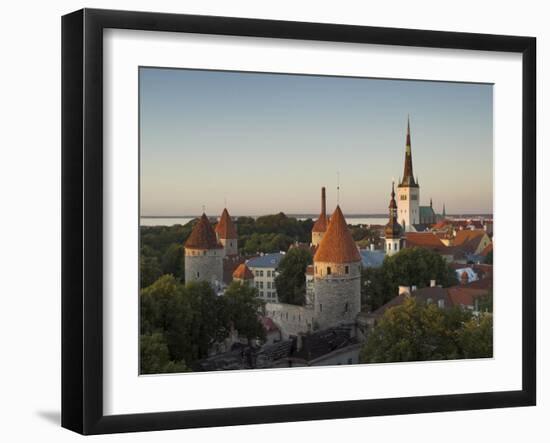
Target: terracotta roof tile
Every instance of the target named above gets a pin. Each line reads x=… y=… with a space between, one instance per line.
x=320 y=224
x=225 y=227
x=242 y=272
x=424 y=240
x=469 y=239
x=337 y=245
x=202 y=236
x=465 y=296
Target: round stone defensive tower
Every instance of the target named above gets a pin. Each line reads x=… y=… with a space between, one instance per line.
x=226 y=233
x=337 y=275
x=203 y=255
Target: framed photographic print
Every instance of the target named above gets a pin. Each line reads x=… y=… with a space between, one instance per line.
x=269 y=221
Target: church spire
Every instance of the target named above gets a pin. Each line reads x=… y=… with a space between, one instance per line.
x=408 y=177
x=444 y=214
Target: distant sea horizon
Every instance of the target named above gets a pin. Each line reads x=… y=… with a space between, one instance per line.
x=353 y=219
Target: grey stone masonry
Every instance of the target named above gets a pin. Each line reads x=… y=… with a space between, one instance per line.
x=229 y=246
x=337 y=293
x=204 y=265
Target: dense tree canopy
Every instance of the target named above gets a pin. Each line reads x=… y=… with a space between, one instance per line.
x=409 y=267
x=192 y=318
x=418 y=332
x=291 y=280
x=155 y=357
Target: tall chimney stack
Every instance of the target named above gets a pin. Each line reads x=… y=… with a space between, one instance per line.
x=323 y=201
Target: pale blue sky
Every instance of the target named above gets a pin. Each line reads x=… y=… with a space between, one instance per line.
x=267 y=142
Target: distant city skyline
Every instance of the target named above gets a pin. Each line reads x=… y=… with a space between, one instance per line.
x=263 y=143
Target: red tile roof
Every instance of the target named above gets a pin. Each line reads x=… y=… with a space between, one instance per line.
x=426 y=240
x=441 y=224
x=202 y=236
x=321 y=224
x=469 y=239
x=337 y=245
x=225 y=227
x=460 y=295
x=243 y=273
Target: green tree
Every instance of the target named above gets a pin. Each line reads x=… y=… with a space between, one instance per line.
x=409 y=267
x=291 y=280
x=241 y=308
x=419 y=332
x=485 y=302
x=173 y=261
x=149 y=270
x=155 y=357
x=476 y=338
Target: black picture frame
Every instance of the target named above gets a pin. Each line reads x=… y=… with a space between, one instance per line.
x=82 y=218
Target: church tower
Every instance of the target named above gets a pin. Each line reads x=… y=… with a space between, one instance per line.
x=226 y=234
x=393 y=230
x=408 y=191
x=336 y=275
x=320 y=226
x=203 y=255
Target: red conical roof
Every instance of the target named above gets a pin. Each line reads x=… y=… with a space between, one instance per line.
x=337 y=245
x=243 y=272
x=225 y=227
x=202 y=236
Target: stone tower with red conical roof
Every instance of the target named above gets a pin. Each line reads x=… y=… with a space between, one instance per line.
x=336 y=275
x=320 y=226
x=226 y=233
x=408 y=190
x=393 y=231
x=204 y=255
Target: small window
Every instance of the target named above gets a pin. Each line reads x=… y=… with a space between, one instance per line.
x=328 y=270
x=268 y=285
x=198 y=274
x=261 y=273
x=320 y=307
x=350 y=361
x=347 y=269
x=346 y=309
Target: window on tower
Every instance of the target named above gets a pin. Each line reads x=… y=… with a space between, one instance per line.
x=328 y=270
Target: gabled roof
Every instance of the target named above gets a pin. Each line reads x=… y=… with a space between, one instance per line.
x=225 y=227
x=243 y=273
x=469 y=239
x=426 y=240
x=460 y=295
x=337 y=245
x=202 y=236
